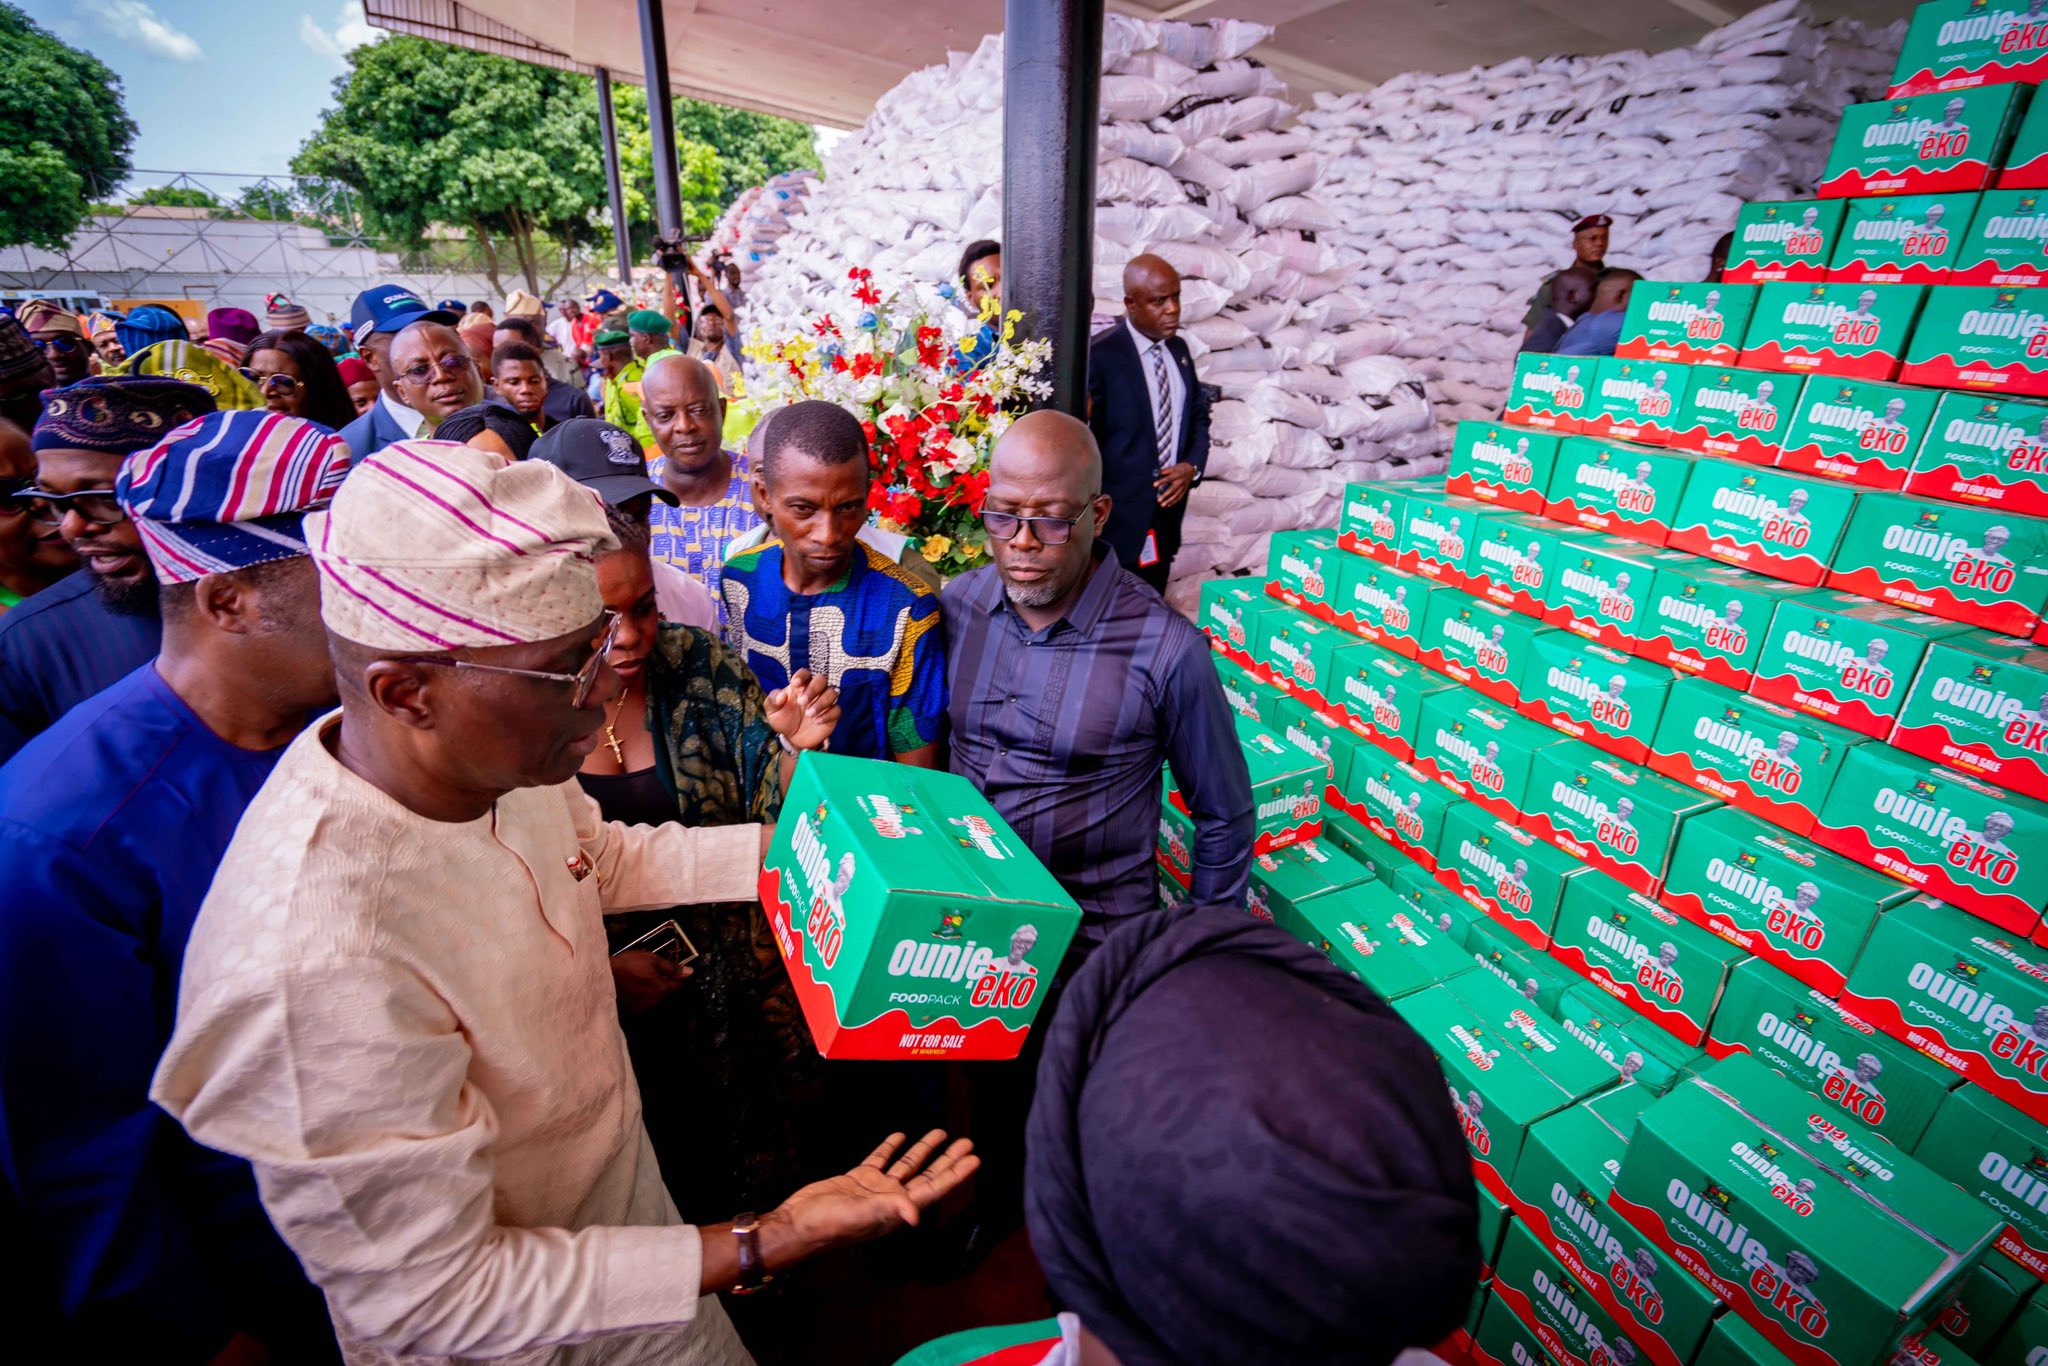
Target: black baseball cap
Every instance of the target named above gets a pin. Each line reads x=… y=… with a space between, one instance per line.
x=601 y=456
x=390 y=308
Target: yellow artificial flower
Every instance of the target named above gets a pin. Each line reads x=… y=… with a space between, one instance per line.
x=934 y=548
x=971 y=550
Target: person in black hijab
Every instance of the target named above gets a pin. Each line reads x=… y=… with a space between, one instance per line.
x=1237 y=1154
x=514 y=435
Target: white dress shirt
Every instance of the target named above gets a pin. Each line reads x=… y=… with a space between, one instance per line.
x=1177 y=388
x=408 y=421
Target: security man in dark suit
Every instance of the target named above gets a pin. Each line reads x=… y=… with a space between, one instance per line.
x=1150 y=416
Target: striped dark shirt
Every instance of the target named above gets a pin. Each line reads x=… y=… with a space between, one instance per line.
x=1067 y=731
x=60 y=647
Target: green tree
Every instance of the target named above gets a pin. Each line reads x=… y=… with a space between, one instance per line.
x=267 y=203
x=64 y=134
x=722 y=151
x=751 y=147
x=175 y=197
x=430 y=136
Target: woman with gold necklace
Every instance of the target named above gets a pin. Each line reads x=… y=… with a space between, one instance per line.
x=728 y=1073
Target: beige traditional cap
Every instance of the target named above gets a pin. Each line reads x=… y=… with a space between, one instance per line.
x=520 y=304
x=434 y=546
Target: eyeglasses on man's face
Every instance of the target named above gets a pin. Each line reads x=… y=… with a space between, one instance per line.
x=61 y=344
x=99 y=506
x=1004 y=526
x=582 y=681
x=454 y=363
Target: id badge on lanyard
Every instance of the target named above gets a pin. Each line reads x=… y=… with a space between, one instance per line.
x=1148 y=553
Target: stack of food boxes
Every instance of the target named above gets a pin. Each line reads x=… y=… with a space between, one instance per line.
x=1681 y=768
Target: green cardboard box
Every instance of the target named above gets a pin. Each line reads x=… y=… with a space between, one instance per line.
x=1595 y=694
x=1347 y=833
x=1906 y=239
x=1373 y=514
x=1784 y=899
x=1690 y=324
x=1532 y=974
x=1737 y=414
x=1494 y=1217
x=1514 y=562
x=1248 y=694
x=1507 y=1065
x=1980 y=705
x=1985 y=1302
x=1284 y=883
x=1600 y=587
x=1963 y=993
x=1819 y=1045
x=1858 y=430
x=1287 y=787
x=1560 y=1196
x=1815 y=1231
x=2024 y=1342
x=1731 y=1342
x=2005 y=245
x=1661 y=966
x=1977 y=847
x=1315 y=736
x=1229 y=610
x=1504 y=870
x=1989 y=338
x=1783 y=525
x=1644 y=1054
x=1709 y=619
x=1963 y=563
x=1176 y=846
x=1611 y=486
x=1618 y=817
x=1294 y=651
x=1561 y=1306
x=1788 y=239
x=1385 y=605
x=1846 y=659
x=1501 y=1339
x=1855 y=331
x=1769 y=760
x=1992 y=452
x=1999 y=1156
x=912 y=920
x=2026 y=161
x=1482 y=645
x=1378 y=695
x=1506 y=466
x=1549 y=392
x=1954 y=44
x=1636 y=400
x=1383 y=941
x=1923 y=144
x=1305 y=567
x=1436 y=536
x=1481 y=749
x=1399 y=803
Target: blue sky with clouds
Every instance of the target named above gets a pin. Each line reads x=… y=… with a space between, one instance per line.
x=214 y=86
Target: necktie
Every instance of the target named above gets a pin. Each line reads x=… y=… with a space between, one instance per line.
x=426 y=429
x=1162 y=406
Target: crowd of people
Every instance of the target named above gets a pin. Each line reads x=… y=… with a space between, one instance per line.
x=365 y=697
x=1579 y=310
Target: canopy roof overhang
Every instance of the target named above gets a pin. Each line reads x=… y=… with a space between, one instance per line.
x=828 y=61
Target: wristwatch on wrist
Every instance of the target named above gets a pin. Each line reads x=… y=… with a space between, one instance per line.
x=746 y=1236
x=787 y=748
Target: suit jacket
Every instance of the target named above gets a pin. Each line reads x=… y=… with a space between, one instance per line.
x=372 y=431
x=1120 y=415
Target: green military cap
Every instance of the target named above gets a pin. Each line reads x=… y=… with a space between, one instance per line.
x=648 y=321
x=611 y=338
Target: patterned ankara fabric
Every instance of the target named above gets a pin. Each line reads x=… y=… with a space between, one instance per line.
x=434 y=546
x=228 y=490
x=461 y=1166
x=116 y=414
x=874 y=635
x=695 y=540
x=193 y=363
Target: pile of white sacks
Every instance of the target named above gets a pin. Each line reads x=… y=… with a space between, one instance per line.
x=1459 y=191
x=753 y=225
x=1198 y=165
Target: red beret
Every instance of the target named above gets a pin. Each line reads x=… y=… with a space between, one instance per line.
x=1596 y=220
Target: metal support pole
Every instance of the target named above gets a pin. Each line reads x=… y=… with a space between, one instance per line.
x=1052 y=84
x=614 y=184
x=661 y=121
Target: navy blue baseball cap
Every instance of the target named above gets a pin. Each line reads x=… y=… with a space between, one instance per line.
x=391 y=308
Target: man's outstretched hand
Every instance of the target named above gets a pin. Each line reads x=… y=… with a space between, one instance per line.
x=882 y=1194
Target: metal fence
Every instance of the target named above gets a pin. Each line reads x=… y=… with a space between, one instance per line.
x=236 y=238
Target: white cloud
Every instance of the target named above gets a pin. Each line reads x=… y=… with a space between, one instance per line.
x=350 y=31
x=134 y=22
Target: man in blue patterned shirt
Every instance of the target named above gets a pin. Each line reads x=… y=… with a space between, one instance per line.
x=817 y=597
x=680 y=402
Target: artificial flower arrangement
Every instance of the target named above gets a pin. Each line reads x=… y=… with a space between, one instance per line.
x=932 y=404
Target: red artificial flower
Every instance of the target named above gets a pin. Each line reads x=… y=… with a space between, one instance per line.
x=825 y=327
x=944 y=413
x=977 y=490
